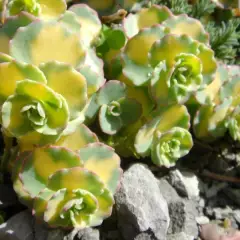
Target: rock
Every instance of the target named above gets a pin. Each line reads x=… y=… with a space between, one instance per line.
x=180 y=236
x=182 y=212
x=7 y=196
x=18 y=227
x=202 y=220
x=236 y=215
x=183 y=216
x=23 y=226
x=213 y=190
x=233 y=194
x=222 y=213
x=140 y=204
x=55 y=234
x=168 y=192
x=144 y=236
x=88 y=234
x=186 y=183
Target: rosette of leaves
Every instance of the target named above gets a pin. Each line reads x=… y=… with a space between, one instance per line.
x=36 y=99
x=173 y=74
x=116 y=110
x=73 y=34
x=165 y=138
x=68 y=185
x=220 y=112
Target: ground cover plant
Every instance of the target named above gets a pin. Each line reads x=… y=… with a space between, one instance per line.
x=79 y=91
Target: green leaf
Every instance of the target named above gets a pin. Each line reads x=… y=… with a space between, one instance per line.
x=109 y=123
x=116 y=39
x=111 y=91
x=168 y=147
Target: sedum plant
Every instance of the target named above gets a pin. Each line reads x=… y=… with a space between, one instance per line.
x=164 y=140
x=56 y=71
x=73 y=188
x=116 y=109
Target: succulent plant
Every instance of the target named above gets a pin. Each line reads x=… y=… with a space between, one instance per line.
x=116 y=109
x=165 y=138
x=41 y=104
x=173 y=74
x=68 y=185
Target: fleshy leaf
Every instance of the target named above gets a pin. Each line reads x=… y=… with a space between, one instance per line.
x=91 y=110
x=111 y=91
x=42 y=163
x=11 y=25
x=102 y=160
x=168 y=147
x=131 y=110
x=34 y=107
x=81 y=202
x=70 y=21
x=135 y=56
x=211 y=92
x=233 y=124
x=163 y=121
x=231 y=88
x=11 y=72
x=59 y=76
x=102 y=7
x=109 y=123
x=209 y=63
x=94 y=79
x=90 y=23
x=32 y=139
x=142 y=96
x=52 y=9
x=144 y=137
x=162 y=50
x=44 y=8
x=175 y=85
x=209 y=122
x=33 y=44
x=146 y=17
x=182 y=24
x=76 y=138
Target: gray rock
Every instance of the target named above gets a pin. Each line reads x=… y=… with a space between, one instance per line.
x=88 y=234
x=19 y=227
x=222 y=213
x=144 y=236
x=7 y=196
x=236 y=215
x=168 y=192
x=23 y=226
x=213 y=190
x=183 y=216
x=202 y=220
x=182 y=212
x=233 y=194
x=186 y=183
x=140 y=204
x=180 y=236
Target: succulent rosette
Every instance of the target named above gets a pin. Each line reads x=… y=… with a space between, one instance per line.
x=220 y=112
x=67 y=185
x=168 y=147
x=165 y=138
x=174 y=74
x=116 y=109
x=36 y=100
